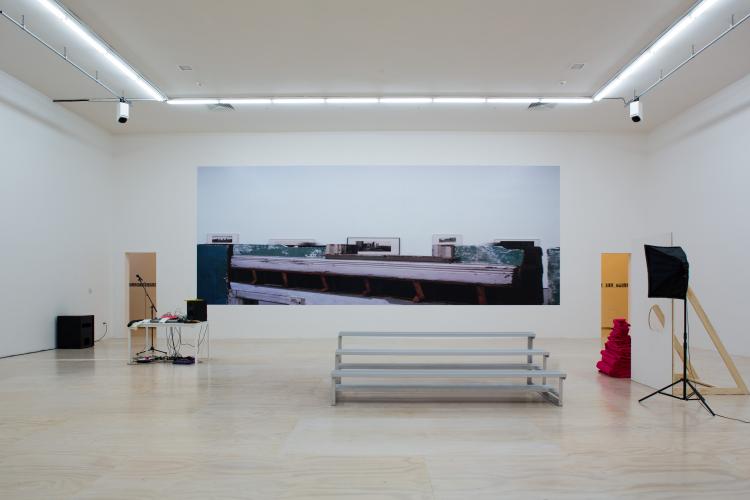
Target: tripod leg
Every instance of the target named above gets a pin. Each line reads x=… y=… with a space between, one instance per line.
x=700 y=397
x=660 y=390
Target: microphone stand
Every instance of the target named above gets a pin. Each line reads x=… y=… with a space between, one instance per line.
x=153 y=312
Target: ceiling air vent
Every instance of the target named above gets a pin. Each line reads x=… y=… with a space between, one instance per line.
x=221 y=107
x=542 y=106
x=577 y=66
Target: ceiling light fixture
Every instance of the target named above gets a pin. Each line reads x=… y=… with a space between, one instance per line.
x=299 y=100
x=406 y=100
x=512 y=100
x=381 y=100
x=663 y=40
x=194 y=102
x=245 y=101
x=54 y=9
x=123 y=111
x=352 y=100
x=88 y=36
x=636 y=111
x=459 y=100
x=566 y=100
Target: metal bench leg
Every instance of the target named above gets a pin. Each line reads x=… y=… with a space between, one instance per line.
x=337 y=364
x=530 y=358
x=544 y=367
x=336 y=380
x=560 y=392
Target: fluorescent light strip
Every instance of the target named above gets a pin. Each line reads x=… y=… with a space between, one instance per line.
x=566 y=100
x=656 y=46
x=193 y=102
x=245 y=101
x=352 y=100
x=406 y=100
x=299 y=100
x=702 y=8
x=459 y=100
x=86 y=37
x=54 y=9
x=94 y=42
x=380 y=100
x=512 y=100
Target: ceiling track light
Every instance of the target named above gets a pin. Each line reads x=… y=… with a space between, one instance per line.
x=123 y=111
x=61 y=55
x=83 y=32
x=692 y=56
x=661 y=41
x=636 y=111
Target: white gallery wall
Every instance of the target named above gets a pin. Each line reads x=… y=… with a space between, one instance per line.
x=155 y=200
x=55 y=218
x=74 y=199
x=698 y=178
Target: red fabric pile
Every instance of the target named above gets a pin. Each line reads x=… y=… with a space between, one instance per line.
x=616 y=354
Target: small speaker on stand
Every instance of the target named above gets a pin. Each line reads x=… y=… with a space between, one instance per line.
x=74 y=332
x=197 y=310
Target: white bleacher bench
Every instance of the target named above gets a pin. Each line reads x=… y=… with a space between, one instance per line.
x=410 y=372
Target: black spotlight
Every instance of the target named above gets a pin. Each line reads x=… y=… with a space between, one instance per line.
x=668 y=274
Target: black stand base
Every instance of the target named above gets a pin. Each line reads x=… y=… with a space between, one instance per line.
x=693 y=396
x=684 y=380
x=151 y=349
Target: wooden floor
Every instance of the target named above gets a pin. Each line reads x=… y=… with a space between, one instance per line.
x=254 y=422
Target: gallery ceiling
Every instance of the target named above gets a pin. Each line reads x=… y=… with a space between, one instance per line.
x=385 y=48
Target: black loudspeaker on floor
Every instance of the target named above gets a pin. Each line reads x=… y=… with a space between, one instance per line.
x=74 y=332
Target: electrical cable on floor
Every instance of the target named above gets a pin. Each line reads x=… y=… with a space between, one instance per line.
x=106 y=328
x=732 y=418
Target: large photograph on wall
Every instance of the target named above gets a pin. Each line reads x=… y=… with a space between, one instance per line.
x=408 y=235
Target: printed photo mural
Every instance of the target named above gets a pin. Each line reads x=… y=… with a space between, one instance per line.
x=474 y=235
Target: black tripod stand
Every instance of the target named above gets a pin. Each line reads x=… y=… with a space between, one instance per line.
x=152 y=307
x=685 y=381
